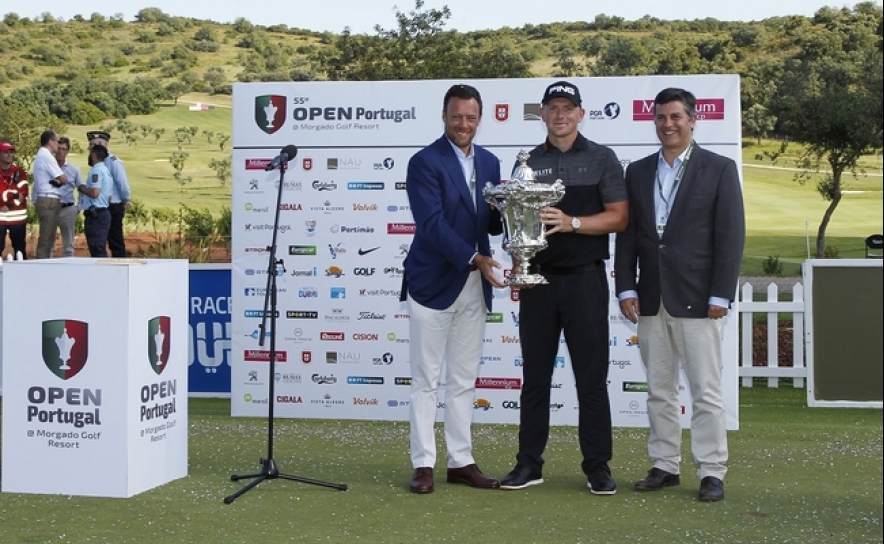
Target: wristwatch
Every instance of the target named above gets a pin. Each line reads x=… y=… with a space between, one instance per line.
x=575 y=223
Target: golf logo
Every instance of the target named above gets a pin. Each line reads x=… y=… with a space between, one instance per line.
x=270 y=112
x=158 y=342
x=65 y=346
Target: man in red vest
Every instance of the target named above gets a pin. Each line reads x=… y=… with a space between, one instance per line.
x=13 y=201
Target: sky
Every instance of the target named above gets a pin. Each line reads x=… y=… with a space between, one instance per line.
x=466 y=15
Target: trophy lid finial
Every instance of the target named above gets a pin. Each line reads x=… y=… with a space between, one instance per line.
x=523 y=172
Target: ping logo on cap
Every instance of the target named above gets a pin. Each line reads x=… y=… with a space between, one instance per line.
x=561 y=89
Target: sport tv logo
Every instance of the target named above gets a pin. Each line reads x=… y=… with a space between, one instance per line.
x=270 y=112
x=65 y=346
x=159 y=339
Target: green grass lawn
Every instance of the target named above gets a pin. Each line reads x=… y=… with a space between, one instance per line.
x=781 y=214
x=797 y=475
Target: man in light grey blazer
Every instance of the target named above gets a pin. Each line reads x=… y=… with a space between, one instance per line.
x=676 y=266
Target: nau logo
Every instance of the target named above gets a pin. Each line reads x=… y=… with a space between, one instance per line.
x=158 y=342
x=270 y=112
x=65 y=346
x=501 y=112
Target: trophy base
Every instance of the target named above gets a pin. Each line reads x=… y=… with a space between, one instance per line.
x=518 y=281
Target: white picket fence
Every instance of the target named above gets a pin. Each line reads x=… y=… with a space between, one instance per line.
x=772 y=308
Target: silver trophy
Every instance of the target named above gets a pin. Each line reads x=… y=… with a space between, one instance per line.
x=519 y=201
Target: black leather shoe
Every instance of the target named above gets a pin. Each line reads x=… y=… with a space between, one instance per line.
x=656 y=480
x=600 y=482
x=421 y=481
x=711 y=489
x=520 y=478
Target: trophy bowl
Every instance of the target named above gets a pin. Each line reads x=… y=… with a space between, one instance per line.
x=519 y=201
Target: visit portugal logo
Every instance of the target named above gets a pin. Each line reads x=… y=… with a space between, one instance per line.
x=65 y=346
x=270 y=112
x=158 y=341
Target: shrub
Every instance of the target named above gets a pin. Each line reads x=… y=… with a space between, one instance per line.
x=772 y=266
x=831 y=252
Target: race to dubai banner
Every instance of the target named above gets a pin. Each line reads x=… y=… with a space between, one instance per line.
x=345 y=228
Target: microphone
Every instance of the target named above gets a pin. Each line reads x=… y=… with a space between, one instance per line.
x=285 y=155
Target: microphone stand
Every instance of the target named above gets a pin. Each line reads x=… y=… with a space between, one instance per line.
x=269 y=469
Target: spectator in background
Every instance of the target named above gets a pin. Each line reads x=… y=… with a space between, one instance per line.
x=120 y=195
x=67 y=218
x=13 y=202
x=95 y=195
x=48 y=179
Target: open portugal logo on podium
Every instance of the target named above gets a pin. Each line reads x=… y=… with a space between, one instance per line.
x=65 y=346
x=158 y=341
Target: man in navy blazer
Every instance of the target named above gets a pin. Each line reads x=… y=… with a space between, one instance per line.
x=448 y=278
x=677 y=265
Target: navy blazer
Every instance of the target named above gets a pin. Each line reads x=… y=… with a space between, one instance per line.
x=700 y=251
x=450 y=226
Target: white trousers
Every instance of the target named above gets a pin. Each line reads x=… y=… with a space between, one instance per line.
x=450 y=338
x=665 y=343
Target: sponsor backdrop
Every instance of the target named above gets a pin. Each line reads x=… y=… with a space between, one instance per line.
x=208 y=347
x=95 y=396
x=345 y=228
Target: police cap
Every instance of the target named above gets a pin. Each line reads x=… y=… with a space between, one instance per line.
x=93 y=134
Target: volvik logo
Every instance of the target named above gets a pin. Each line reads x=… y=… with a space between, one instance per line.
x=270 y=112
x=65 y=346
x=159 y=340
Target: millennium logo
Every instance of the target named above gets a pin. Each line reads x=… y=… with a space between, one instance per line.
x=158 y=341
x=65 y=346
x=270 y=112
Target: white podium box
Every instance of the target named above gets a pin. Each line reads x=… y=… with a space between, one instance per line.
x=94 y=375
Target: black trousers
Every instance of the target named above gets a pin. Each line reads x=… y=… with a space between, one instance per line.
x=18 y=237
x=96 y=227
x=578 y=305
x=115 y=240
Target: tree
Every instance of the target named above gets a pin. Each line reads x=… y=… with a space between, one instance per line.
x=757 y=122
x=177 y=160
x=418 y=48
x=567 y=66
x=182 y=134
x=829 y=100
x=222 y=170
x=22 y=124
x=177 y=89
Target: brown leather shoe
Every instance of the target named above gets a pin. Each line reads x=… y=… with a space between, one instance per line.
x=422 y=480
x=472 y=476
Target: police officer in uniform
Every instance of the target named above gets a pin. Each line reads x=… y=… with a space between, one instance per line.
x=95 y=196
x=120 y=195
